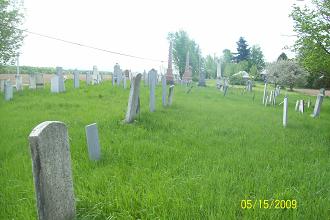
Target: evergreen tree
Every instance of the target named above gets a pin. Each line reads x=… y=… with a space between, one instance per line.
x=243 y=52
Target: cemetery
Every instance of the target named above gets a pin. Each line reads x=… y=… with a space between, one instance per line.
x=104 y=116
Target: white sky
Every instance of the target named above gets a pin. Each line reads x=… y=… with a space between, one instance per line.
x=140 y=28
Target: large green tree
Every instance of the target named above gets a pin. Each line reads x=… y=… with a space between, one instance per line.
x=181 y=45
x=257 y=57
x=11 y=37
x=210 y=66
x=243 y=51
x=312 y=26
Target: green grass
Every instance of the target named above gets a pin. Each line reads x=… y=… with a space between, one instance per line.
x=194 y=160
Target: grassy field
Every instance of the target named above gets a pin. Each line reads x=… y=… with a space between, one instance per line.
x=197 y=159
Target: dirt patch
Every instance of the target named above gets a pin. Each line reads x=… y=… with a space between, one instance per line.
x=313 y=92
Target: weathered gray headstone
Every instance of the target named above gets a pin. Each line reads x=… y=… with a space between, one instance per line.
x=202 y=78
x=264 y=99
x=32 y=81
x=225 y=90
x=164 y=90
x=89 y=78
x=51 y=164
x=54 y=84
x=170 y=95
x=153 y=75
x=297 y=105
x=76 y=79
x=124 y=82
x=301 y=106
x=285 y=112
x=93 y=143
x=59 y=73
x=133 y=100
x=2 y=85
x=317 y=107
x=116 y=72
x=8 y=90
x=19 y=82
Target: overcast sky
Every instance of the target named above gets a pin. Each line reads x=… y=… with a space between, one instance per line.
x=140 y=28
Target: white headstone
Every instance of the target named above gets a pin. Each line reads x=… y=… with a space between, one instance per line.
x=264 y=99
x=152 y=75
x=32 y=81
x=76 y=79
x=51 y=164
x=285 y=112
x=59 y=73
x=133 y=106
x=301 y=106
x=93 y=143
x=8 y=90
x=2 y=85
x=54 y=84
x=297 y=105
x=19 y=82
x=318 y=104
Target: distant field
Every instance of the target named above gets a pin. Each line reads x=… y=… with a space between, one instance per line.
x=197 y=159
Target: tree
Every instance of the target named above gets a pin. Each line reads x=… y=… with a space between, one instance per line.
x=11 y=38
x=282 y=56
x=242 y=50
x=257 y=58
x=210 y=67
x=286 y=73
x=312 y=26
x=181 y=45
x=227 y=56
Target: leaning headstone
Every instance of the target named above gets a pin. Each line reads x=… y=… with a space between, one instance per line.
x=2 y=85
x=265 y=94
x=133 y=100
x=76 y=79
x=170 y=95
x=32 y=81
x=164 y=90
x=51 y=164
x=54 y=84
x=297 y=105
x=153 y=75
x=93 y=143
x=8 y=90
x=317 y=107
x=301 y=106
x=285 y=111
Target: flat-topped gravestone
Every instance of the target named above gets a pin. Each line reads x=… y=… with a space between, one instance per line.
x=133 y=106
x=164 y=90
x=152 y=75
x=116 y=72
x=51 y=165
x=8 y=90
x=32 y=81
x=170 y=95
x=93 y=143
x=76 y=79
x=285 y=112
x=317 y=107
x=54 y=84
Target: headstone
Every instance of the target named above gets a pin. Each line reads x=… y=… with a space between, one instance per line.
x=202 y=78
x=270 y=97
x=297 y=105
x=8 y=90
x=51 y=164
x=124 y=82
x=19 y=82
x=76 y=79
x=115 y=75
x=153 y=75
x=95 y=76
x=265 y=94
x=170 y=95
x=169 y=73
x=119 y=77
x=164 y=90
x=133 y=100
x=322 y=91
x=225 y=90
x=318 y=104
x=301 y=106
x=187 y=75
x=285 y=111
x=309 y=103
x=40 y=80
x=2 y=85
x=93 y=143
x=32 y=81
x=88 y=78
x=54 y=84
x=219 y=75
x=59 y=73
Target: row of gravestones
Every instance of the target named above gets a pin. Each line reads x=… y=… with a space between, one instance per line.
x=51 y=160
x=35 y=81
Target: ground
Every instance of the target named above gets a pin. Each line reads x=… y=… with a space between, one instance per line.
x=201 y=158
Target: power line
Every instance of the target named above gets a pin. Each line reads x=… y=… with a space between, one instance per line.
x=90 y=47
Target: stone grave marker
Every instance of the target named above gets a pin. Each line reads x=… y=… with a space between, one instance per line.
x=8 y=90
x=322 y=91
x=133 y=106
x=51 y=165
x=264 y=99
x=32 y=81
x=19 y=83
x=124 y=82
x=309 y=103
x=115 y=75
x=202 y=78
x=170 y=95
x=59 y=73
x=2 y=85
x=225 y=90
x=297 y=105
x=93 y=143
x=317 y=107
x=54 y=84
x=76 y=79
x=285 y=111
x=152 y=75
x=301 y=106
x=164 y=90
